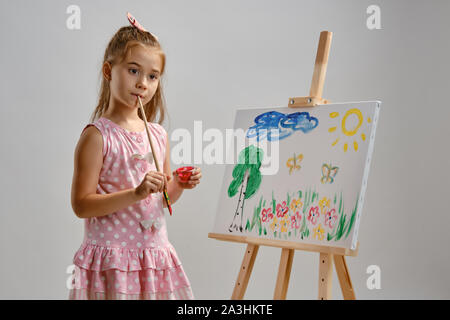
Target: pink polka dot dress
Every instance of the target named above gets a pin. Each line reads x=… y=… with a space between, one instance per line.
x=126 y=254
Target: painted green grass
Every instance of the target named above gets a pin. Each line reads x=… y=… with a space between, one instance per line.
x=343 y=226
x=256 y=220
x=341 y=230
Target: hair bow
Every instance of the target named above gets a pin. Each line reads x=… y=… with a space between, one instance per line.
x=136 y=24
x=155 y=223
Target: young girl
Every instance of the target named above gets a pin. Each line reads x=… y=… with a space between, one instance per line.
x=116 y=188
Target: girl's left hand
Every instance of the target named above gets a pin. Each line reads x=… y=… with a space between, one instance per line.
x=193 y=181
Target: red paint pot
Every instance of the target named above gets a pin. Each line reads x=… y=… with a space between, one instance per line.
x=184 y=173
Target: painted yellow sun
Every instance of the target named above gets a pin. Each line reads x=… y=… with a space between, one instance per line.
x=350 y=124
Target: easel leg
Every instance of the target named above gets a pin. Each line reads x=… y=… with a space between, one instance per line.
x=245 y=272
x=284 y=273
x=325 y=276
x=344 y=278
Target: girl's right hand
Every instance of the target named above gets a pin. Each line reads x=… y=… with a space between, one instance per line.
x=153 y=182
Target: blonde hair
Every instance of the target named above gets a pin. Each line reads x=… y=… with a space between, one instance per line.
x=116 y=51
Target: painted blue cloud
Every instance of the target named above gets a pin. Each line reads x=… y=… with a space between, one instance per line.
x=282 y=125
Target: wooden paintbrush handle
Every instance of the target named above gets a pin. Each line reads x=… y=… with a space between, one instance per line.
x=148 y=135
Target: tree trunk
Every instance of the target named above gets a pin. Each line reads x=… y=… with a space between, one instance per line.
x=240 y=202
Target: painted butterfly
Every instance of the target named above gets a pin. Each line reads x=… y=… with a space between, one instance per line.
x=294 y=162
x=328 y=173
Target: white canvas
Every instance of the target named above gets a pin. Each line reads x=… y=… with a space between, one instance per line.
x=316 y=195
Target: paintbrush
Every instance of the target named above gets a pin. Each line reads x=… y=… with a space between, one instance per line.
x=166 y=196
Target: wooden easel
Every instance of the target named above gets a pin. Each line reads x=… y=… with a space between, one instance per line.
x=327 y=254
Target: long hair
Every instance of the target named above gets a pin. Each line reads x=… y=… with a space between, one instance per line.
x=116 y=51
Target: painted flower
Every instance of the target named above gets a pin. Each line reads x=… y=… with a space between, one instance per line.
x=274 y=225
x=313 y=214
x=296 y=204
x=318 y=232
x=284 y=223
x=282 y=209
x=330 y=218
x=266 y=214
x=323 y=204
x=295 y=220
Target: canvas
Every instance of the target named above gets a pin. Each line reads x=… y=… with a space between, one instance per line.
x=312 y=189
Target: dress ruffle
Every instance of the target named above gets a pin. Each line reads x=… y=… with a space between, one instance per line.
x=86 y=294
x=122 y=273
x=153 y=283
x=98 y=258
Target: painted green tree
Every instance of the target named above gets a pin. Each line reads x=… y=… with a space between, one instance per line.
x=247 y=176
